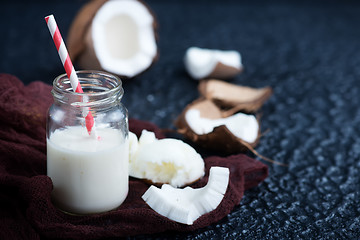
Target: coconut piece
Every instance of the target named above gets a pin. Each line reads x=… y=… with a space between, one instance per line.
x=133 y=145
x=165 y=161
x=241 y=125
x=203 y=63
x=188 y=204
x=118 y=36
x=221 y=138
x=233 y=97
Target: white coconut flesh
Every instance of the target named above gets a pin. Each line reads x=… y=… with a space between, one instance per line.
x=188 y=204
x=201 y=62
x=133 y=145
x=123 y=37
x=164 y=161
x=243 y=126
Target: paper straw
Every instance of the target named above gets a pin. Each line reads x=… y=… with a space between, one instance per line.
x=69 y=68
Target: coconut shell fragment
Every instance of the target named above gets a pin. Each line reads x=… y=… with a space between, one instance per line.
x=223 y=71
x=202 y=63
x=233 y=97
x=221 y=138
x=80 y=26
x=117 y=36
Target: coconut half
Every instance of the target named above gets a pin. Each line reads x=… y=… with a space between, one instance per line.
x=118 y=36
x=234 y=97
x=203 y=63
x=205 y=124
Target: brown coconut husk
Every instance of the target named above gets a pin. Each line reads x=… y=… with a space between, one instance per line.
x=222 y=71
x=79 y=41
x=79 y=27
x=221 y=138
x=233 y=98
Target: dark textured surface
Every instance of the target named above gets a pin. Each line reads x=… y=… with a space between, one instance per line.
x=308 y=53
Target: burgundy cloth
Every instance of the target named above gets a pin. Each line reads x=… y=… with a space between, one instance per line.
x=26 y=210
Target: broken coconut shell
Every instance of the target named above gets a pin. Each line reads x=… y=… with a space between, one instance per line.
x=202 y=63
x=234 y=97
x=221 y=138
x=122 y=59
x=223 y=71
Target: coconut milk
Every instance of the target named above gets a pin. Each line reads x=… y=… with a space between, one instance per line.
x=89 y=174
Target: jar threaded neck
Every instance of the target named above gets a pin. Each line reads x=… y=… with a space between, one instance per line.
x=100 y=89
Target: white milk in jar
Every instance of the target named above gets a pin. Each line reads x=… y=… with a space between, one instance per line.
x=84 y=169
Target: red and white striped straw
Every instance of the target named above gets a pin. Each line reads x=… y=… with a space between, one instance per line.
x=69 y=68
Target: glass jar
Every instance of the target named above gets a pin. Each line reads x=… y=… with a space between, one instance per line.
x=89 y=170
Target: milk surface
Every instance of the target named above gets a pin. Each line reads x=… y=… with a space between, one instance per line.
x=89 y=175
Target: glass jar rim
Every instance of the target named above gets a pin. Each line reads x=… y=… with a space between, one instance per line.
x=116 y=88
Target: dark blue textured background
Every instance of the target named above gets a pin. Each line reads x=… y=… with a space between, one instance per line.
x=308 y=52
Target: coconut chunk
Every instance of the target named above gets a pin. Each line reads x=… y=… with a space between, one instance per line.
x=165 y=161
x=133 y=145
x=118 y=36
x=241 y=125
x=203 y=63
x=234 y=97
x=188 y=204
x=204 y=123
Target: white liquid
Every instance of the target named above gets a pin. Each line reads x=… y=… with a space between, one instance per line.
x=89 y=175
